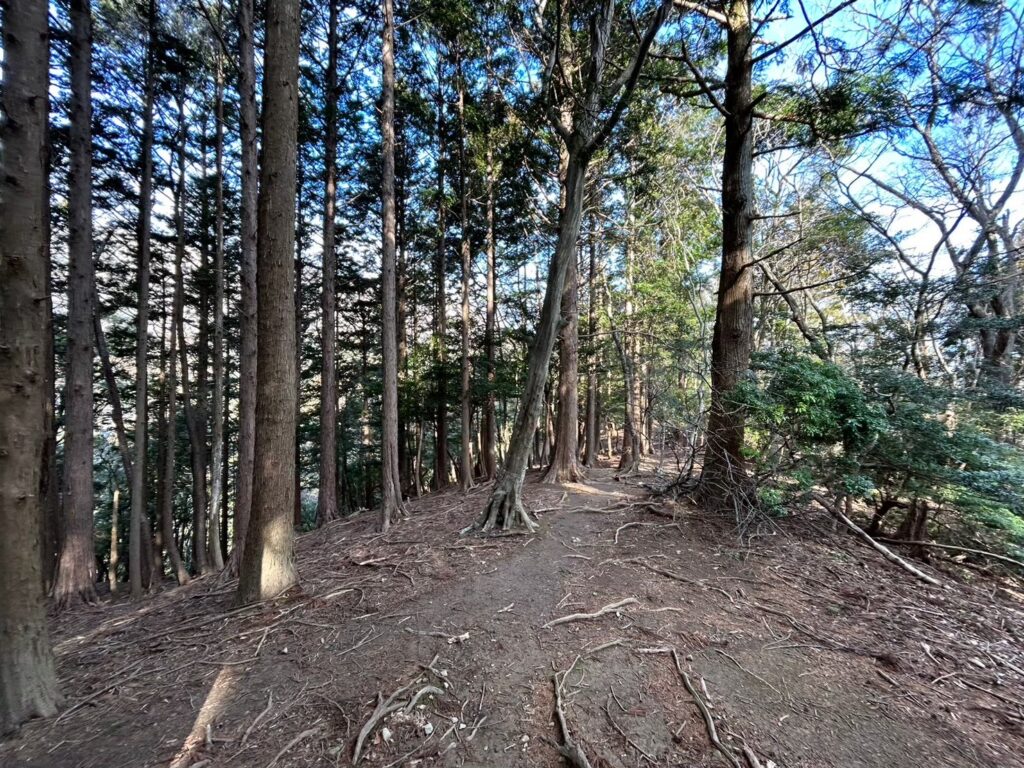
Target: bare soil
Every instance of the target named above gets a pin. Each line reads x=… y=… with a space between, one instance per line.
x=805 y=646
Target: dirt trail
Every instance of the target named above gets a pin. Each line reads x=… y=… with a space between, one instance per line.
x=806 y=647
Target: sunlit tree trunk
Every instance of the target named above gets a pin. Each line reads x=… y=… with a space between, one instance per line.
x=465 y=393
x=268 y=567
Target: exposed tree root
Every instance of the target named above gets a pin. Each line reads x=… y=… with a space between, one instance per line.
x=610 y=608
x=952 y=548
x=569 y=749
x=505 y=511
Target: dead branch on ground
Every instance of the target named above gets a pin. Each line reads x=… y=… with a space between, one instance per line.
x=610 y=608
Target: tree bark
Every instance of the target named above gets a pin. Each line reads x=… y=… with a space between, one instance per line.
x=247 y=320
x=114 y=556
x=28 y=684
x=268 y=567
x=565 y=465
x=170 y=544
x=327 y=501
x=391 y=502
x=76 y=567
x=724 y=474
x=138 y=506
x=466 y=393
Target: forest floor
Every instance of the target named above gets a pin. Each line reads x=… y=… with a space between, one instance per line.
x=805 y=646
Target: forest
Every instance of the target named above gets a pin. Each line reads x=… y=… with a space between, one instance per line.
x=597 y=383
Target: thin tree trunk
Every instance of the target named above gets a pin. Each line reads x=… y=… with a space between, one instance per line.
x=440 y=311
x=169 y=439
x=216 y=554
x=76 y=568
x=724 y=472
x=247 y=320
x=391 y=502
x=465 y=394
x=114 y=551
x=592 y=435
x=490 y=415
x=327 y=501
x=28 y=684
x=196 y=436
x=138 y=508
x=268 y=566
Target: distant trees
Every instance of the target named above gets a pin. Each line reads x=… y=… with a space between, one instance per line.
x=28 y=686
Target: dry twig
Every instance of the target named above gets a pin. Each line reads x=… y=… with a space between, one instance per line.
x=610 y=608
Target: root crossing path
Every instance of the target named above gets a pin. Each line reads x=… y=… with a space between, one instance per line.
x=626 y=632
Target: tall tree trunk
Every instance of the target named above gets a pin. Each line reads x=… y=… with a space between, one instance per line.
x=196 y=433
x=268 y=566
x=76 y=568
x=440 y=311
x=136 y=546
x=565 y=464
x=391 y=502
x=327 y=501
x=632 y=442
x=592 y=435
x=28 y=684
x=466 y=393
x=216 y=554
x=724 y=472
x=247 y=320
x=490 y=415
x=170 y=544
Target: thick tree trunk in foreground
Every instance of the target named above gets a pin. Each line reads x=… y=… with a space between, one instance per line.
x=565 y=465
x=327 y=500
x=136 y=546
x=268 y=566
x=76 y=568
x=391 y=503
x=724 y=472
x=247 y=320
x=28 y=685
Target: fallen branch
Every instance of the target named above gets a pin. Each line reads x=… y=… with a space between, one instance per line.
x=610 y=608
x=951 y=547
x=384 y=708
x=621 y=528
x=885 y=552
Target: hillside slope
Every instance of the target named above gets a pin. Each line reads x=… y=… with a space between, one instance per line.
x=806 y=648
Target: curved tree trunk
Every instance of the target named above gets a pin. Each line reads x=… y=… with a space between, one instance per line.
x=505 y=509
x=268 y=566
x=76 y=568
x=28 y=684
